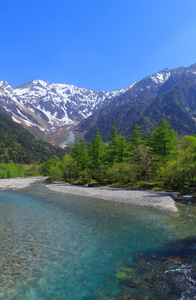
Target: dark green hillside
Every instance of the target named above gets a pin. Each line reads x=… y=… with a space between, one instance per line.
x=20 y=146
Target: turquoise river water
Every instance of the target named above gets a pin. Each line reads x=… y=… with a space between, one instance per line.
x=58 y=246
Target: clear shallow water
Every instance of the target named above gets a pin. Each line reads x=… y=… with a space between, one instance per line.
x=57 y=246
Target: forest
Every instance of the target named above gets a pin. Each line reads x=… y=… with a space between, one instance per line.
x=160 y=160
x=19 y=146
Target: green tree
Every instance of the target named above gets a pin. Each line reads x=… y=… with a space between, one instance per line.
x=49 y=165
x=135 y=143
x=56 y=174
x=163 y=141
x=68 y=167
x=97 y=155
x=142 y=161
x=136 y=137
x=180 y=172
x=117 y=149
x=80 y=155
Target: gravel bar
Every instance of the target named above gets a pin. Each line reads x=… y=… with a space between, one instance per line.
x=158 y=200
x=19 y=183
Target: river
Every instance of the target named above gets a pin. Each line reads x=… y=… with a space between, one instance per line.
x=58 y=246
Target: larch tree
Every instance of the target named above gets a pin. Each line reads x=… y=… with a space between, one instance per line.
x=97 y=155
x=163 y=140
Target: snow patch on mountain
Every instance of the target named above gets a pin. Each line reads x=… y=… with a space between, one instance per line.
x=56 y=104
x=161 y=77
x=52 y=106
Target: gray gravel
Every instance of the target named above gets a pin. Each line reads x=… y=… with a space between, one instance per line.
x=18 y=183
x=157 y=200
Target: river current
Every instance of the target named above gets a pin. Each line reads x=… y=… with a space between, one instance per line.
x=58 y=246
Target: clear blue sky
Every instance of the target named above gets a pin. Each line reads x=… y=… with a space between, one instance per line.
x=96 y=44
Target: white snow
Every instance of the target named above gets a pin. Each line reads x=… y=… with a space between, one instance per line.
x=47 y=98
x=161 y=77
x=15 y=120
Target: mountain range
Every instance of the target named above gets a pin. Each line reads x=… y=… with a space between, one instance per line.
x=50 y=110
x=168 y=94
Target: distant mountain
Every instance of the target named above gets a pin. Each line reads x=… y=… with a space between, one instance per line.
x=50 y=108
x=169 y=94
x=20 y=146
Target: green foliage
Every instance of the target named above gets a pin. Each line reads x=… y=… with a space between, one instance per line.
x=97 y=155
x=181 y=171
x=136 y=137
x=68 y=168
x=120 y=173
x=20 y=146
x=48 y=166
x=80 y=155
x=161 y=159
x=163 y=140
x=142 y=161
x=56 y=174
x=32 y=170
x=11 y=170
x=117 y=149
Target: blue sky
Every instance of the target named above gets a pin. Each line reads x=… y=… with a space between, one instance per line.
x=100 y=45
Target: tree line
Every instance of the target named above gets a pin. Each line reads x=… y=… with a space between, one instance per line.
x=162 y=159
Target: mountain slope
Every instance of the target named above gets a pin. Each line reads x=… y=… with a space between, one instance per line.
x=167 y=94
x=178 y=106
x=20 y=146
x=47 y=108
x=51 y=110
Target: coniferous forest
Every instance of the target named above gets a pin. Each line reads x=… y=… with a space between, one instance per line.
x=161 y=160
x=21 y=154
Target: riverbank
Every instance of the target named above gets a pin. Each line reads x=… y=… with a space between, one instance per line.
x=153 y=199
x=18 y=183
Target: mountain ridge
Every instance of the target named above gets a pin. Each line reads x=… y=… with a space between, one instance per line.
x=131 y=108
x=52 y=109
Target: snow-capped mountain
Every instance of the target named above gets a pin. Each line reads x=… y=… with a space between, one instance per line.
x=51 y=107
x=48 y=106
